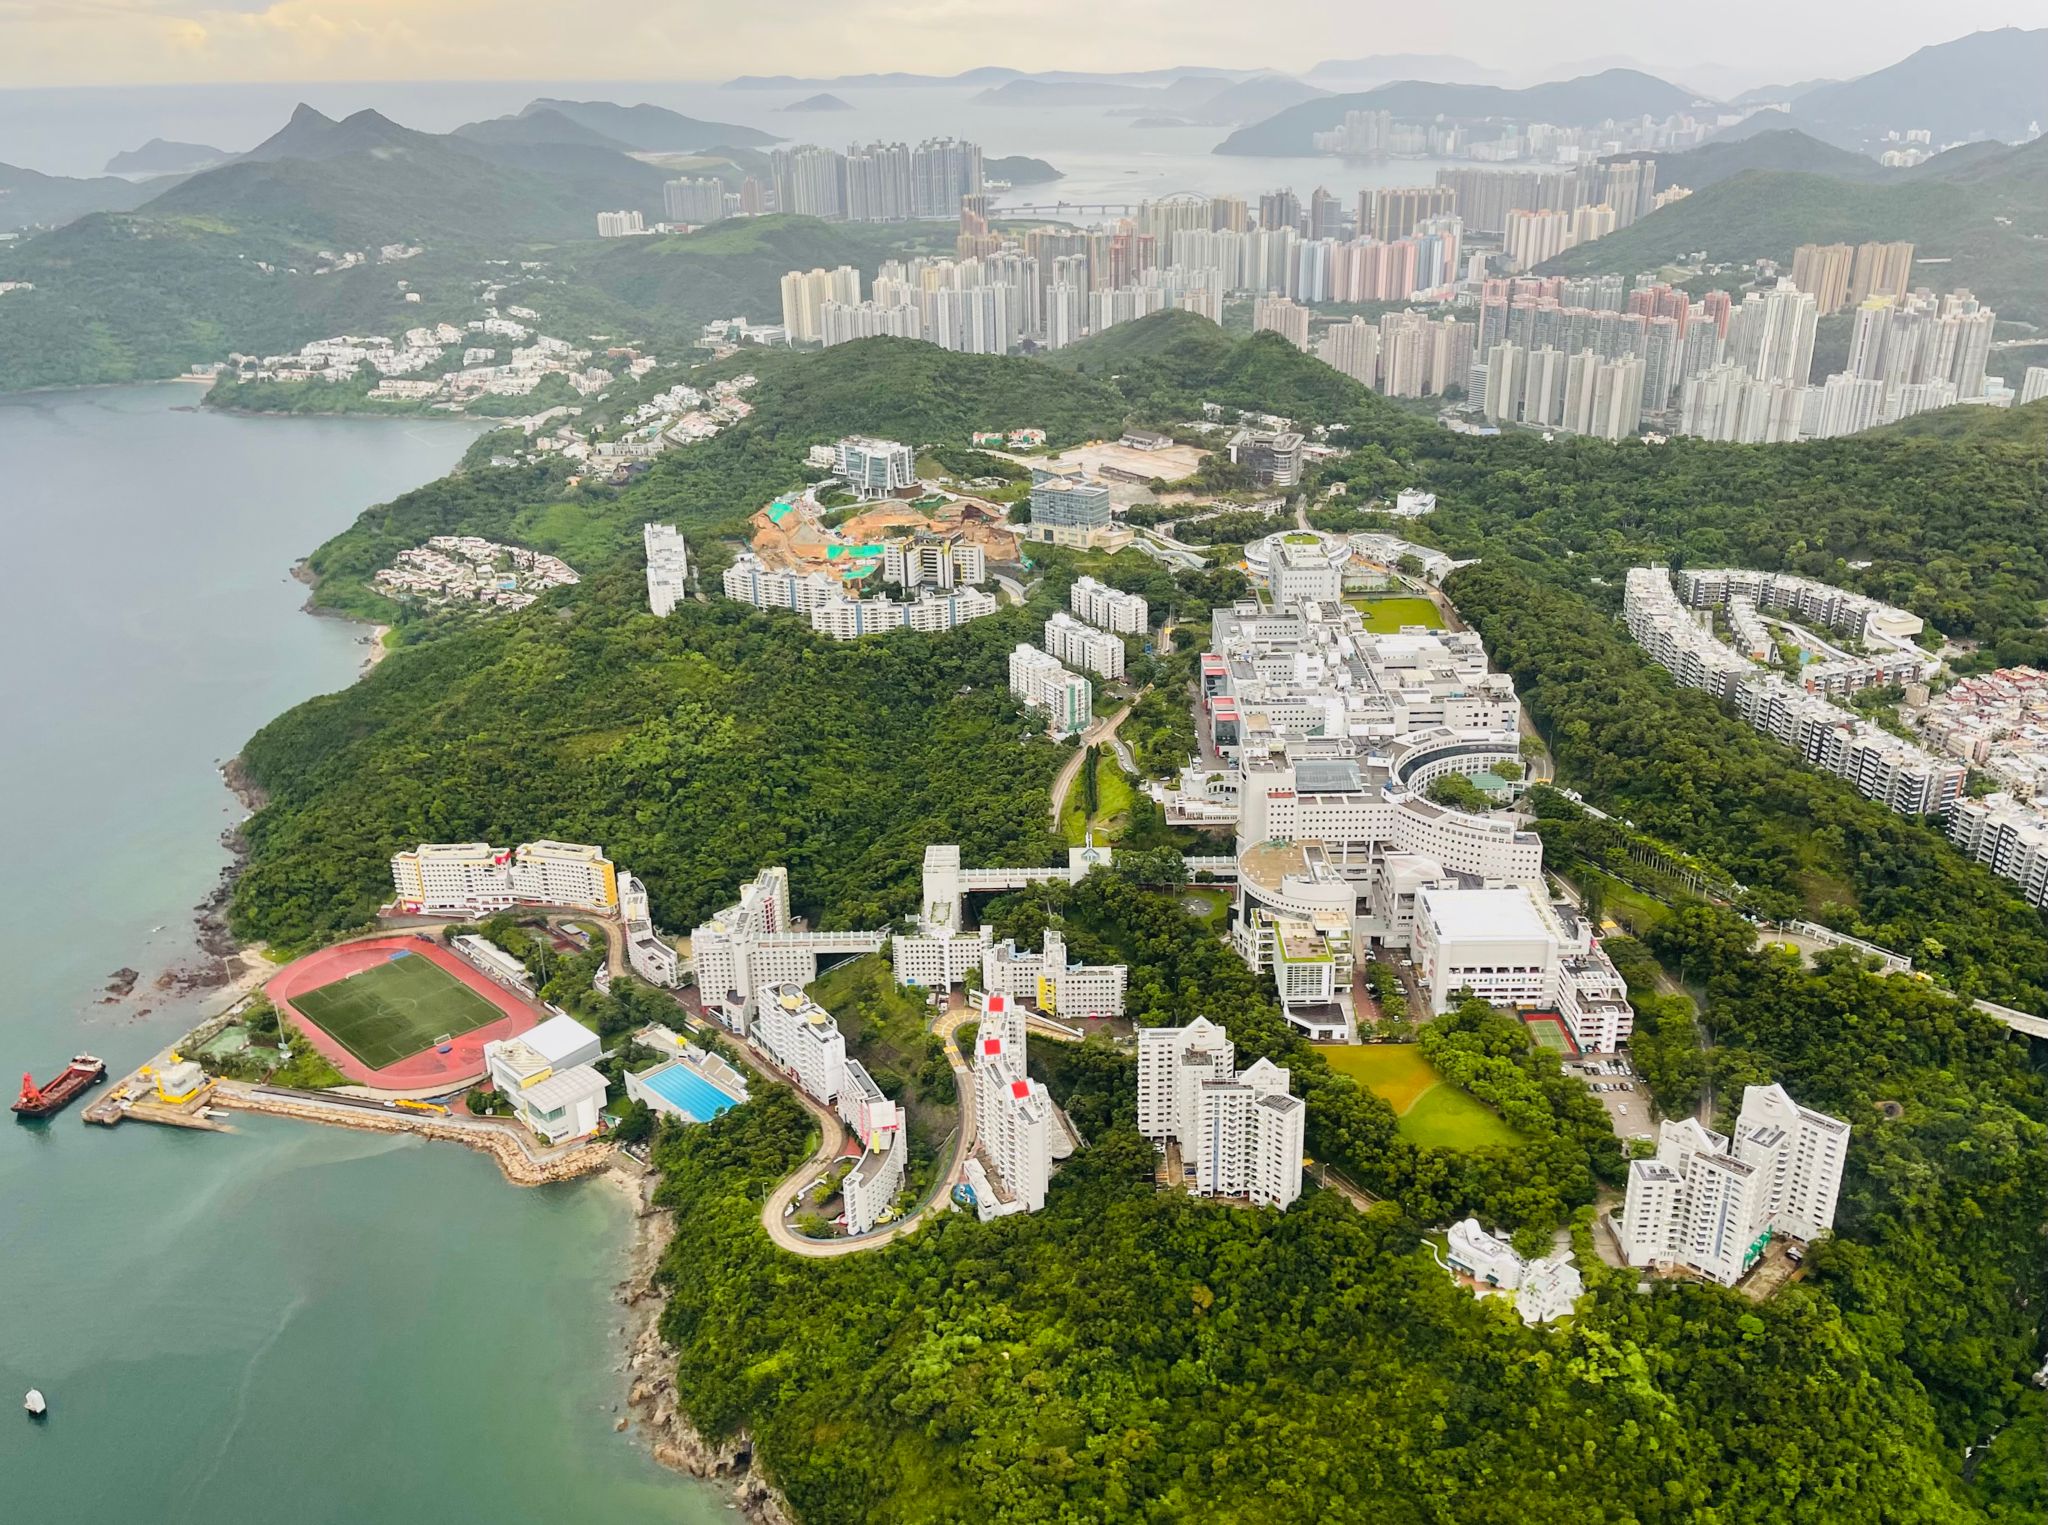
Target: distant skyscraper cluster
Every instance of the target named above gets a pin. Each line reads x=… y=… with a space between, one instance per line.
x=878 y=182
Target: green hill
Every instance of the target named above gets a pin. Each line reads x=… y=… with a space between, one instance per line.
x=1988 y=84
x=895 y=388
x=1783 y=148
x=1973 y=424
x=367 y=181
x=537 y=126
x=1171 y=363
x=129 y=298
x=1585 y=101
x=29 y=199
x=1987 y=219
x=654 y=129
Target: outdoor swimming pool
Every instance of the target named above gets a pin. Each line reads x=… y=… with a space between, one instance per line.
x=688 y=1092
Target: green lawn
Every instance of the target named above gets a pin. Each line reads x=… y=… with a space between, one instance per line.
x=1210 y=905
x=1428 y=1112
x=1386 y=616
x=393 y=1010
x=1113 y=803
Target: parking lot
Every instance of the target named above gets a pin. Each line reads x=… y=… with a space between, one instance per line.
x=1613 y=1081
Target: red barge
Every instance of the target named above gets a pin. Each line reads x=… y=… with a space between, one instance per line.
x=81 y=1075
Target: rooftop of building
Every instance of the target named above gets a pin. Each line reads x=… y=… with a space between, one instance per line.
x=1484 y=915
x=563 y=1088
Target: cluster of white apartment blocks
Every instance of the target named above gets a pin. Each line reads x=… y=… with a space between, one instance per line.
x=755 y=942
x=1710 y=1205
x=2007 y=837
x=1996 y=721
x=1018 y=1132
x=475 y=878
x=1325 y=738
x=1109 y=608
x=1070 y=641
x=668 y=568
x=1905 y=777
x=1067 y=698
x=1239 y=1133
x=941 y=951
x=805 y=1040
x=750 y=580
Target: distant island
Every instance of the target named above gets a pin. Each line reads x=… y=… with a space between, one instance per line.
x=1020 y=169
x=160 y=156
x=821 y=102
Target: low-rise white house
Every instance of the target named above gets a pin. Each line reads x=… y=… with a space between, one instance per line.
x=547 y=1075
x=1543 y=1289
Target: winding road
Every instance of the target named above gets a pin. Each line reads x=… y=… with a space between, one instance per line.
x=777 y=1220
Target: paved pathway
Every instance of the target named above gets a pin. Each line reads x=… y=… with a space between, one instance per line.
x=1097 y=733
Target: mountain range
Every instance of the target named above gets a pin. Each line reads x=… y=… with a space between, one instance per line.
x=1585 y=101
x=29 y=199
x=1986 y=85
x=1977 y=215
x=366 y=180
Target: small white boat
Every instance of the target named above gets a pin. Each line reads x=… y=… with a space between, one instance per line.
x=34 y=1403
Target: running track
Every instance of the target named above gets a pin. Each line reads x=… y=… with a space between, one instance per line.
x=463 y=1063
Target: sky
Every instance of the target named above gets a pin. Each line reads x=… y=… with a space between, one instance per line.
x=117 y=42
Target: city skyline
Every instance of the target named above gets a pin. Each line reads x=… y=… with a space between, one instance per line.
x=117 y=42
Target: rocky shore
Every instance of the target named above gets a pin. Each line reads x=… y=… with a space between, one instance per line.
x=650 y=1364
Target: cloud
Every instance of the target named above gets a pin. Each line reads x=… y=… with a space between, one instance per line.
x=60 y=42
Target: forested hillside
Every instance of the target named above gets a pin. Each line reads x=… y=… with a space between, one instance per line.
x=892 y=387
x=1128 y=1355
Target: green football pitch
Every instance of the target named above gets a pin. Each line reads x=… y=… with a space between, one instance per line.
x=394 y=1009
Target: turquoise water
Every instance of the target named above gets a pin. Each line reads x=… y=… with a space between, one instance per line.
x=293 y=1323
x=698 y=1097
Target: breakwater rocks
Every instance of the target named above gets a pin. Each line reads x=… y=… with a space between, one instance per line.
x=521 y=1168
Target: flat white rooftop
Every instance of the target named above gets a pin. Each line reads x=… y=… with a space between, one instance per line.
x=1480 y=916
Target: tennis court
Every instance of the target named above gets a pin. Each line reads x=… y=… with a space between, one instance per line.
x=395 y=1008
x=1549 y=1032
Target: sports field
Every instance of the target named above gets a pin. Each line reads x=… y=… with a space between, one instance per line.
x=395 y=1008
x=1428 y=1112
x=1386 y=616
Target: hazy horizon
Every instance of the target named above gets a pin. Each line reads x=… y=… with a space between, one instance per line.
x=53 y=45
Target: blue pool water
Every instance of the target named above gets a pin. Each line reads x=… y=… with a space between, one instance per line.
x=690 y=1092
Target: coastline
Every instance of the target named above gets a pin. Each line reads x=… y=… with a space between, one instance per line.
x=648 y=1366
x=302 y=571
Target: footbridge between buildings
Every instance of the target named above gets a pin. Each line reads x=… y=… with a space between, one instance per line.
x=975 y=881
x=824 y=942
